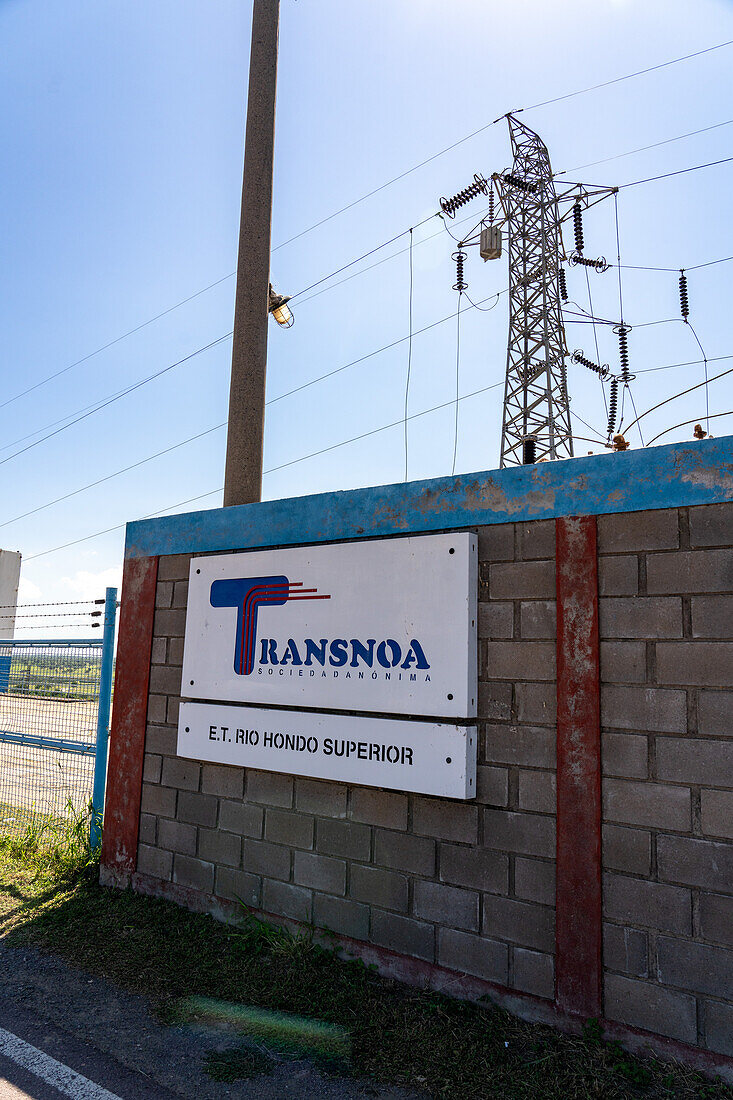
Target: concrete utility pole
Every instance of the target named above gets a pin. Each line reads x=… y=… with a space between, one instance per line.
x=243 y=473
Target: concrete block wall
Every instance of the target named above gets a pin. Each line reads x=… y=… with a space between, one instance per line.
x=613 y=899
x=666 y=653
x=467 y=886
x=471 y=887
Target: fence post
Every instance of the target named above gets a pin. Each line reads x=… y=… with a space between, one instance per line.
x=103 y=713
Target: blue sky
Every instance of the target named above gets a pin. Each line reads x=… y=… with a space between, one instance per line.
x=122 y=134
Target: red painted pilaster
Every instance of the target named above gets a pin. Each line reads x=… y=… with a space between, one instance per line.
x=578 y=982
x=129 y=718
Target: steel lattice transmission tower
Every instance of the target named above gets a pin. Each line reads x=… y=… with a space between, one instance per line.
x=536 y=393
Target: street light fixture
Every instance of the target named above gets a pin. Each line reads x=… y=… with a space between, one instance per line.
x=278 y=308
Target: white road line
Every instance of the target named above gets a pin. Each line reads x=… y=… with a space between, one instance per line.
x=54 y=1073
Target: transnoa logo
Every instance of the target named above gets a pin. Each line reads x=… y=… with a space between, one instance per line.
x=248 y=594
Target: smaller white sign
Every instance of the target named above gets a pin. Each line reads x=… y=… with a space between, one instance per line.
x=425 y=757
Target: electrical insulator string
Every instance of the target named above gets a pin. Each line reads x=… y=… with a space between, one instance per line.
x=578 y=227
x=601 y=370
x=479 y=186
x=684 y=300
x=517 y=182
x=623 y=352
x=562 y=282
x=460 y=257
x=601 y=264
x=612 y=407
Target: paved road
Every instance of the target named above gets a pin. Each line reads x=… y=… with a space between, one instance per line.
x=111 y=1039
x=40 y=1062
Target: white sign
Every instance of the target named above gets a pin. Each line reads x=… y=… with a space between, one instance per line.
x=387 y=626
x=428 y=757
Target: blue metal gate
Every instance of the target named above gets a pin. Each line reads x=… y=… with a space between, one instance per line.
x=55 y=698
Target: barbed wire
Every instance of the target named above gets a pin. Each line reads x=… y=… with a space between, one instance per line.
x=56 y=603
x=50 y=626
x=61 y=615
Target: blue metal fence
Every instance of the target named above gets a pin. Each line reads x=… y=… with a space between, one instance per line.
x=54 y=725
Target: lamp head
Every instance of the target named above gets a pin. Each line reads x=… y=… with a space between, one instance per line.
x=278 y=308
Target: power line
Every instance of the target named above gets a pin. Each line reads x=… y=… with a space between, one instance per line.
x=629 y=76
x=675 y=396
x=687 y=363
x=710 y=263
x=357 y=438
x=679 y=172
x=117 y=339
x=275 y=469
x=645 y=148
x=116 y=397
x=371 y=354
x=382 y=428
x=432 y=236
x=377 y=190
x=458 y=367
x=353 y=439
x=388 y=183
x=692 y=420
x=365 y=256
x=487 y=126
x=90 y=409
x=117 y=473
x=121 y=526
x=674 y=270
x=95 y=405
x=217 y=427
x=384 y=260
x=705 y=361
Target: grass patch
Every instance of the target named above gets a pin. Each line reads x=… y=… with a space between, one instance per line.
x=58 y=846
x=399 y=1035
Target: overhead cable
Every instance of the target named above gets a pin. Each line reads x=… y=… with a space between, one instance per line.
x=282 y=466
x=644 y=148
x=679 y=172
x=117 y=339
x=488 y=125
x=682 y=393
x=117 y=473
x=217 y=427
x=116 y=397
x=629 y=76
x=692 y=420
x=382 y=187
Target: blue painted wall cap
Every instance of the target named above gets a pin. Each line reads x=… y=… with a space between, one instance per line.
x=677 y=475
